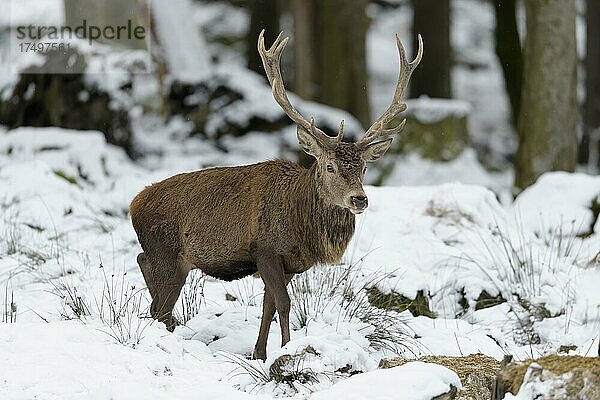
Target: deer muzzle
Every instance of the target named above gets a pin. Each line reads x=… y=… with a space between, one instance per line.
x=359 y=203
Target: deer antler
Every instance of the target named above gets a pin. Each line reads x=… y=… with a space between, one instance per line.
x=377 y=130
x=272 y=63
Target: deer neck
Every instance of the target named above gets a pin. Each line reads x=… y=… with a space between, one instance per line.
x=328 y=227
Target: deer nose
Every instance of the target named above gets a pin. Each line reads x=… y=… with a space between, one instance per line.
x=359 y=202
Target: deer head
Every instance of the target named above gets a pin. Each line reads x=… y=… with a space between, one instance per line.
x=340 y=166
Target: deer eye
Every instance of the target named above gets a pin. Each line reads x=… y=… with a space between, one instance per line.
x=330 y=168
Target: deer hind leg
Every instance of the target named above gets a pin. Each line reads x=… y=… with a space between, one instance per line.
x=146 y=269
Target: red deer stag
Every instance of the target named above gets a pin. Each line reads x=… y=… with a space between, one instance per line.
x=274 y=217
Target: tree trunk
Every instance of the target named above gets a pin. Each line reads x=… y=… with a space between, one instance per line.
x=264 y=14
x=508 y=49
x=330 y=56
x=77 y=11
x=432 y=20
x=548 y=116
x=106 y=13
x=590 y=141
x=342 y=74
x=305 y=55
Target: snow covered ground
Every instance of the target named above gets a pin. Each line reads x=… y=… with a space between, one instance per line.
x=67 y=263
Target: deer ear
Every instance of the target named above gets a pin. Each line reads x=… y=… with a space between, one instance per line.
x=374 y=151
x=309 y=143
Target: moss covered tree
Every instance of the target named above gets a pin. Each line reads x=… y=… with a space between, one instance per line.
x=548 y=117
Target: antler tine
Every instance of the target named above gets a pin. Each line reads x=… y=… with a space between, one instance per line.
x=340 y=134
x=377 y=130
x=272 y=64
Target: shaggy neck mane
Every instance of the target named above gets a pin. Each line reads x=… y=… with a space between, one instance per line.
x=329 y=227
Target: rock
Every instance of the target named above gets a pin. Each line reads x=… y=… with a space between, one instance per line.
x=198 y=102
x=451 y=395
x=566 y=348
x=486 y=300
x=289 y=368
x=397 y=302
x=437 y=129
x=550 y=378
x=66 y=101
x=234 y=101
x=595 y=209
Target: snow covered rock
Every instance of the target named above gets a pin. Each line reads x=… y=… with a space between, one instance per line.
x=477 y=372
x=437 y=129
x=415 y=381
x=568 y=201
x=66 y=100
x=550 y=378
x=235 y=101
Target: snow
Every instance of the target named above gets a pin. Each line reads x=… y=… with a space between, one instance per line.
x=162 y=368
x=69 y=360
x=221 y=19
x=450 y=231
x=560 y=199
x=64 y=196
x=185 y=50
x=257 y=101
x=453 y=337
x=414 y=170
x=416 y=380
x=35 y=12
x=222 y=22
x=430 y=111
